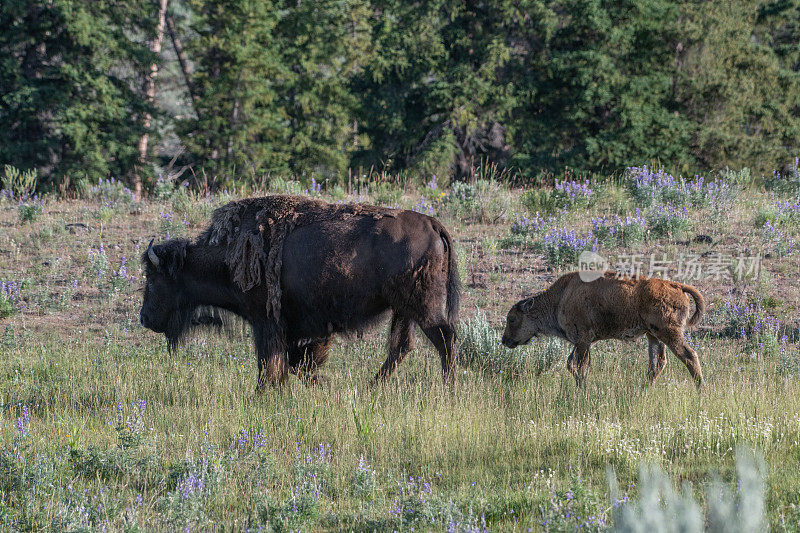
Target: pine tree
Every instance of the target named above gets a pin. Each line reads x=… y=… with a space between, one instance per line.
x=240 y=125
x=437 y=96
x=71 y=104
x=325 y=43
x=605 y=89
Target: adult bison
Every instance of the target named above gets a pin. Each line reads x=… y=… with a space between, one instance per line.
x=300 y=270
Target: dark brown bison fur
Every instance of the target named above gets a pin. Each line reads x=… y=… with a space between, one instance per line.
x=299 y=271
x=611 y=307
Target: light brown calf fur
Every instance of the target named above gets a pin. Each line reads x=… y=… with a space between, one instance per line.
x=611 y=307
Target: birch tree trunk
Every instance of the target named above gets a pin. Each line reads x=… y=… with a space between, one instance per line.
x=150 y=92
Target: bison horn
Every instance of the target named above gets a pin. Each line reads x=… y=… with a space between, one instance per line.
x=151 y=254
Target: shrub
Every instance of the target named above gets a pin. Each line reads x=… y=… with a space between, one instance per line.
x=415 y=504
x=762 y=333
x=483 y=201
x=738 y=178
x=29 y=210
x=648 y=187
x=386 y=194
x=164 y=188
x=668 y=221
x=336 y=192
x=577 y=507
x=765 y=215
x=526 y=230
x=619 y=231
x=781 y=213
x=362 y=482
x=17 y=184
x=9 y=298
x=97 y=264
x=562 y=246
x=745 y=320
x=785 y=182
x=432 y=190
x=789 y=361
x=614 y=194
x=661 y=508
x=565 y=194
x=547 y=355
x=110 y=191
x=283 y=186
x=481 y=349
x=191 y=208
x=171 y=226
x=776 y=241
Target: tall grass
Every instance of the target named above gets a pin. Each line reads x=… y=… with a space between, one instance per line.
x=101 y=427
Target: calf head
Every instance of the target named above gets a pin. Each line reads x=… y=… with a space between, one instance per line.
x=523 y=322
x=165 y=307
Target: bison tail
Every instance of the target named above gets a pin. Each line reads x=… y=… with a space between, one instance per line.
x=453 y=279
x=699 y=304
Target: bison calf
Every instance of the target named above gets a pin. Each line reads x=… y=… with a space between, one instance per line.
x=610 y=307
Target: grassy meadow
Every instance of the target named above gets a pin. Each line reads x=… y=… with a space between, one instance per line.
x=102 y=429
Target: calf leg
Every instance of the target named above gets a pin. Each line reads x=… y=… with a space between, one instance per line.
x=580 y=362
x=677 y=344
x=443 y=337
x=401 y=341
x=658 y=357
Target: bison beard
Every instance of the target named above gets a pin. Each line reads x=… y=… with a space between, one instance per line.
x=299 y=271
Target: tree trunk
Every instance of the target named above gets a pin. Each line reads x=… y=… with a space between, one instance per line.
x=150 y=93
x=184 y=63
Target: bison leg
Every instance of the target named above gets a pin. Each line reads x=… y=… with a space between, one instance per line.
x=307 y=359
x=443 y=338
x=271 y=350
x=401 y=341
x=658 y=357
x=578 y=362
x=571 y=366
x=678 y=346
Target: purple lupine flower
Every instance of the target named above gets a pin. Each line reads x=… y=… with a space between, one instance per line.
x=191 y=484
x=259 y=441
x=243 y=438
x=530 y=225
x=23 y=422
x=423 y=207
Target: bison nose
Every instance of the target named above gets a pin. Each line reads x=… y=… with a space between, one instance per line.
x=508 y=342
x=143 y=320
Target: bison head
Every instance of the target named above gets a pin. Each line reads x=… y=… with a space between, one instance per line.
x=522 y=323
x=165 y=308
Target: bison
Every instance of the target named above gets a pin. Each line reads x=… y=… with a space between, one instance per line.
x=299 y=271
x=610 y=306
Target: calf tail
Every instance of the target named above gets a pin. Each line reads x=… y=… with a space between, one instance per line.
x=699 y=303
x=453 y=279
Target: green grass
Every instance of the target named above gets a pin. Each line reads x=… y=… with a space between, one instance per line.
x=505 y=450
x=488 y=444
